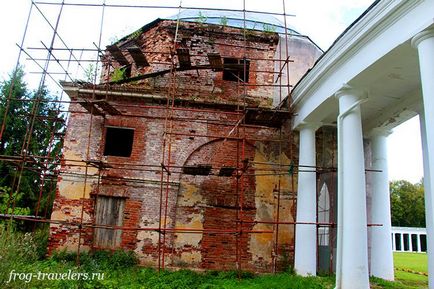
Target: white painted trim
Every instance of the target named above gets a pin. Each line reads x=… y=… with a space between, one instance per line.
x=383 y=28
x=374 y=23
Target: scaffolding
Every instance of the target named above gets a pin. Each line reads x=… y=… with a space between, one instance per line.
x=237 y=121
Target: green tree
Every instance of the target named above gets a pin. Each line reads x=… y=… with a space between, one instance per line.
x=11 y=144
x=407 y=204
x=24 y=110
x=89 y=73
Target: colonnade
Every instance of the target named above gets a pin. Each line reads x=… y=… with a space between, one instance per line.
x=352 y=268
x=408 y=239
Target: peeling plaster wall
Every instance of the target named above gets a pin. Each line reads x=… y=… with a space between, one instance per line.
x=302 y=53
x=210 y=202
x=266 y=196
x=211 y=205
x=194 y=202
x=72 y=202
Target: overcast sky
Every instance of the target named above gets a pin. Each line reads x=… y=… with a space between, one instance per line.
x=322 y=21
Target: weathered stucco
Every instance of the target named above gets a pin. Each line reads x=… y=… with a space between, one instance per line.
x=211 y=221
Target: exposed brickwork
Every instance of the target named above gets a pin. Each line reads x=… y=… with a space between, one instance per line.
x=206 y=85
x=208 y=204
x=220 y=196
x=132 y=216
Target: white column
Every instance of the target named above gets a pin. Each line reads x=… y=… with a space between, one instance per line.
x=352 y=252
x=401 y=240
x=381 y=247
x=428 y=184
x=424 y=42
x=410 y=243
x=393 y=242
x=419 y=244
x=305 y=234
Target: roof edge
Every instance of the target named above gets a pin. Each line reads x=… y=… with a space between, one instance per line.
x=324 y=57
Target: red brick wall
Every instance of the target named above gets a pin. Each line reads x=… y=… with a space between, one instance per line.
x=200 y=202
x=138 y=179
x=200 y=39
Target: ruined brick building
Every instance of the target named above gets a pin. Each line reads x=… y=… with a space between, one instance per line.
x=184 y=152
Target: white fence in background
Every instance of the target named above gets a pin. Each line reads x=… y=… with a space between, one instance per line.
x=407 y=239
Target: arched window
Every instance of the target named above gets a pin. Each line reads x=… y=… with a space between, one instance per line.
x=324 y=216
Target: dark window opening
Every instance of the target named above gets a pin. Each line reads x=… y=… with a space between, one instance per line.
x=127 y=71
x=423 y=243
x=226 y=171
x=398 y=242
x=406 y=243
x=236 y=69
x=198 y=170
x=118 y=141
x=414 y=244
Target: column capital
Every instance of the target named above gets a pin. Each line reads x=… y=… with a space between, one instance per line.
x=347 y=89
x=421 y=36
x=379 y=131
x=309 y=125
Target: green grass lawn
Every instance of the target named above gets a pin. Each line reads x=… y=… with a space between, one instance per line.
x=118 y=274
x=23 y=253
x=416 y=262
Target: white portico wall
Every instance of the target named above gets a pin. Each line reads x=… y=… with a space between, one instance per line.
x=374 y=54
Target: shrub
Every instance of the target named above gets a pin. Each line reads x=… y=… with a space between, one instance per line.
x=40 y=238
x=100 y=259
x=123 y=259
x=118 y=74
x=16 y=250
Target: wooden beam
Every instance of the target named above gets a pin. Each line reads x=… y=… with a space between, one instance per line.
x=117 y=54
x=138 y=56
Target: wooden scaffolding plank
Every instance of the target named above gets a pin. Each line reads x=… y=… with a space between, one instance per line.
x=266 y=117
x=117 y=54
x=107 y=107
x=90 y=107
